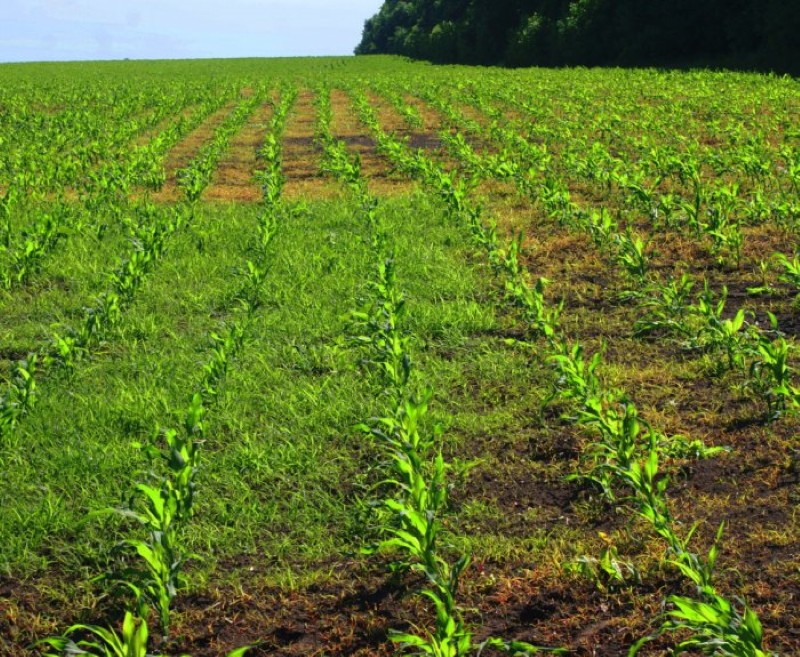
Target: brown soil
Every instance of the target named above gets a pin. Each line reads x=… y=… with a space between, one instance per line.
x=392 y=122
x=180 y=156
x=754 y=489
x=302 y=156
x=352 y=611
x=382 y=180
x=233 y=180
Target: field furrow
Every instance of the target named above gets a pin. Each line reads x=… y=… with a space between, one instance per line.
x=301 y=155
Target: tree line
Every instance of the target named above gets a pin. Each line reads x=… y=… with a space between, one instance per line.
x=743 y=33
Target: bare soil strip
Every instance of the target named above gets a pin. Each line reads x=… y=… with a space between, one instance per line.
x=301 y=155
x=180 y=156
x=234 y=178
x=391 y=121
x=346 y=127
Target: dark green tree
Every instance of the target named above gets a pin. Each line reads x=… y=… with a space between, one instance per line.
x=590 y=32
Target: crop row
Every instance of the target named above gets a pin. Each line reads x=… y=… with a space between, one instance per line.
x=164 y=503
x=623 y=453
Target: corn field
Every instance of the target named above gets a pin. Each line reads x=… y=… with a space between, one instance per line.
x=359 y=356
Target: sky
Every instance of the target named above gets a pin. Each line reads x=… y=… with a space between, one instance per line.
x=65 y=30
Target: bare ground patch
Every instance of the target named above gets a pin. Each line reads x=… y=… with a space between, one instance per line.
x=180 y=156
x=302 y=156
x=234 y=178
x=346 y=127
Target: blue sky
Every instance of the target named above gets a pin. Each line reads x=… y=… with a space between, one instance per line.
x=43 y=30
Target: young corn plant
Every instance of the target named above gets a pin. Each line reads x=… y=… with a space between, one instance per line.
x=631 y=255
x=271 y=176
x=66 y=350
x=7 y=204
x=765 y=287
x=667 y=307
x=689 y=170
x=619 y=428
x=163 y=507
x=791 y=270
x=603 y=229
x=19 y=398
x=540 y=318
x=149 y=244
x=107 y=642
x=608 y=571
x=621 y=457
x=272 y=182
x=555 y=198
x=639 y=193
x=715 y=625
x=770 y=376
x=576 y=376
x=732 y=337
x=378 y=327
x=412 y=511
x=414 y=530
x=37 y=244
x=416 y=485
x=471 y=163
x=164 y=503
x=722 y=227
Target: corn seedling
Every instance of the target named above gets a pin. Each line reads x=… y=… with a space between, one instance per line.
x=791 y=270
x=733 y=337
x=602 y=229
x=630 y=253
x=20 y=395
x=667 y=306
x=164 y=506
x=417 y=490
x=131 y=642
x=576 y=376
x=618 y=446
x=765 y=288
x=716 y=626
x=165 y=503
x=689 y=170
x=726 y=237
x=149 y=245
x=37 y=244
x=540 y=318
x=7 y=203
x=377 y=326
x=771 y=375
x=607 y=571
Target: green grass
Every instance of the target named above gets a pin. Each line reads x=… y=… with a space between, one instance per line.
x=281 y=452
